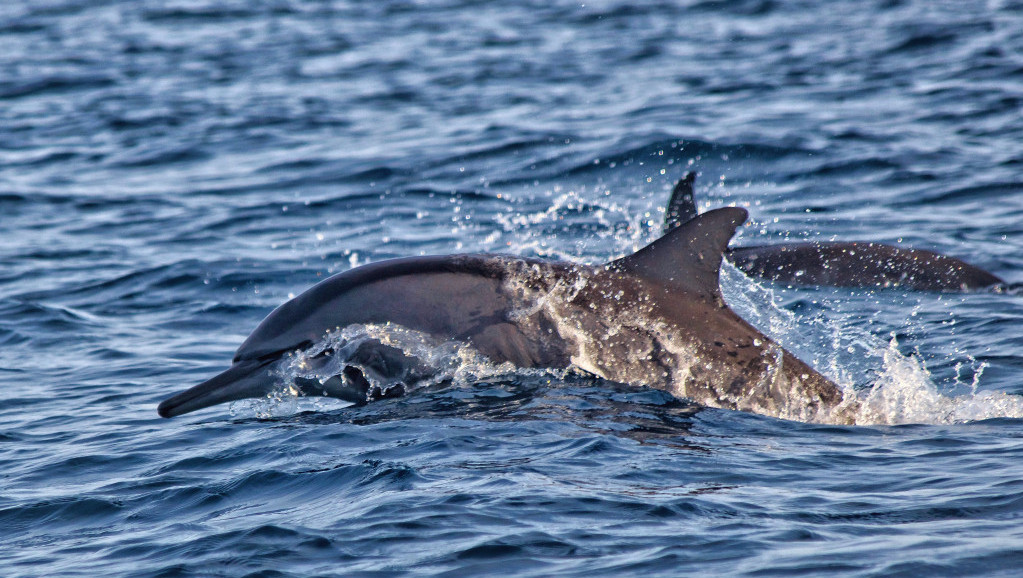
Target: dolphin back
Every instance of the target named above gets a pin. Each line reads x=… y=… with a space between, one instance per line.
x=838 y=264
x=860 y=264
x=442 y=295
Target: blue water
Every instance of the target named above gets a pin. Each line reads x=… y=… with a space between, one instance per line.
x=171 y=171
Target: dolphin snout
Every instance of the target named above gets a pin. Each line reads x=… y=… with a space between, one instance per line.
x=245 y=379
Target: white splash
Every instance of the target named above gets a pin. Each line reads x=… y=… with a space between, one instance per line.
x=448 y=361
x=885 y=385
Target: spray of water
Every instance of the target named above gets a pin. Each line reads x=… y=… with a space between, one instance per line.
x=891 y=387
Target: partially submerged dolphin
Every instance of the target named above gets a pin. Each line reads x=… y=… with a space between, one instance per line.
x=842 y=263
x=654 y=318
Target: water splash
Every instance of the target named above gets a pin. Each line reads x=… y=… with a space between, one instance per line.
x=427 y=362
x=598 y=223
x=889 y=386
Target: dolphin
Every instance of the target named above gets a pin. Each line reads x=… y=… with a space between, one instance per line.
x=841 y=263
x=654 y=318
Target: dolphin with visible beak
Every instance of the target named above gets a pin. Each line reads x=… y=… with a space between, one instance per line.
x=655 y=318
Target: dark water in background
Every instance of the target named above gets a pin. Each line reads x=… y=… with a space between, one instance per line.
x=171 y=171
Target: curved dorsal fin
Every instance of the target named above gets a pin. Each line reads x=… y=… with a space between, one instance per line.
x=687 y=258
x=681 y=206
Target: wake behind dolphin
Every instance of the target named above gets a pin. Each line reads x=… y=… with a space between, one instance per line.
x=655 y=318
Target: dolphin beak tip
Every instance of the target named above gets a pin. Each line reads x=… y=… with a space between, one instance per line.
x=165 y=409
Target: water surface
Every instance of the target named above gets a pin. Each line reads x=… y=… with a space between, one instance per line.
x=171 y=171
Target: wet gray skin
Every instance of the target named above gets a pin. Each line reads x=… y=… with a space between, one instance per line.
x=655 y=318
x=839 y=264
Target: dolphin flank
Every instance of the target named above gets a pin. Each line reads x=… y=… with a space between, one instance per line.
x=655 y=318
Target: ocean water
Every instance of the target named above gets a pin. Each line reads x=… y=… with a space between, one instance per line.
x=172 y=171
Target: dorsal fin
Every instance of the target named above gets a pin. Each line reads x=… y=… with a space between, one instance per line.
x=687 y=258
x=681 y=206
